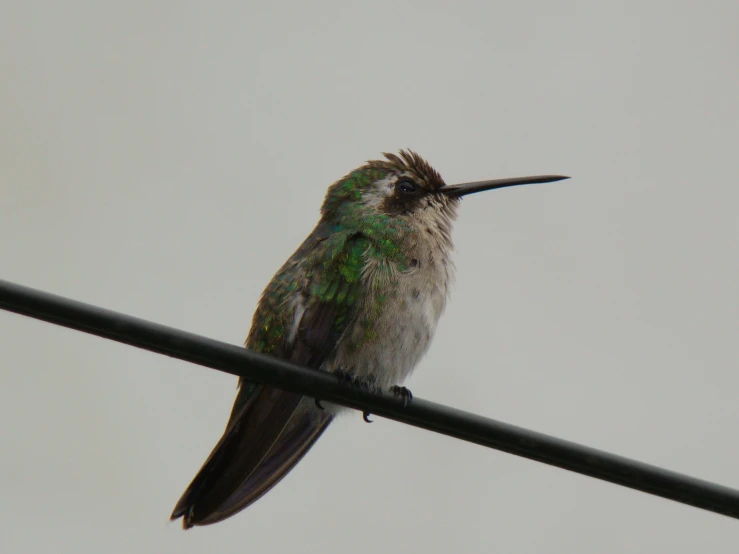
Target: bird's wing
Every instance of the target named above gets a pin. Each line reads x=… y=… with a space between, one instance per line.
x=300 y=317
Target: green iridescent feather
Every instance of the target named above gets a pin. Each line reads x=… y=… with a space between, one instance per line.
x=326 y=274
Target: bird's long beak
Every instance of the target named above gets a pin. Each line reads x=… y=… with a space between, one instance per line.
x=455 y=191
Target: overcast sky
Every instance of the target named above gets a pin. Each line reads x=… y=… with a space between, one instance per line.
x=163 y=159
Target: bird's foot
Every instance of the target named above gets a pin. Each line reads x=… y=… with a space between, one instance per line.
x=319 y=405
x=403 y=393
x=352 y=381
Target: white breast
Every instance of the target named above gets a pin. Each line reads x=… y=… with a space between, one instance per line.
x=402 y=327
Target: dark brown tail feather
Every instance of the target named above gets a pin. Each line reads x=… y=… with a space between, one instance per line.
x=290 y=448
x=256 y=451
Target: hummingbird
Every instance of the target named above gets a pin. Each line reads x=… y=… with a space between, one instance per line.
x=361 y=298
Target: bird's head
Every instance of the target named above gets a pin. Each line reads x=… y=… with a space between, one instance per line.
x=405 y=187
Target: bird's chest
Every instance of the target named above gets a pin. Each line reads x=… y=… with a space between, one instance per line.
x=396 y=322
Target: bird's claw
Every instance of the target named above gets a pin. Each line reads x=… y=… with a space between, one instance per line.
x=350 y=380
x=319 y=405
x=404 y=393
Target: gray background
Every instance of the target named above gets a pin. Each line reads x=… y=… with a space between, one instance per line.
x=163 y=159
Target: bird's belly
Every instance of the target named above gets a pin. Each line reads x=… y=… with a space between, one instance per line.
x=385 y=346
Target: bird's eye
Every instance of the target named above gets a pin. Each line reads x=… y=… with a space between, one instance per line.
x=406 y=187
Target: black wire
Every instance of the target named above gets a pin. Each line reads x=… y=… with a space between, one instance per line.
x=318 y=384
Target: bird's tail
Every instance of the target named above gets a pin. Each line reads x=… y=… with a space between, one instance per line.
x=269 y=432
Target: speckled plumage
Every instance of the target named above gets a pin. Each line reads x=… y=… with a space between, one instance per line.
x=362 y=294
x=384 y=276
